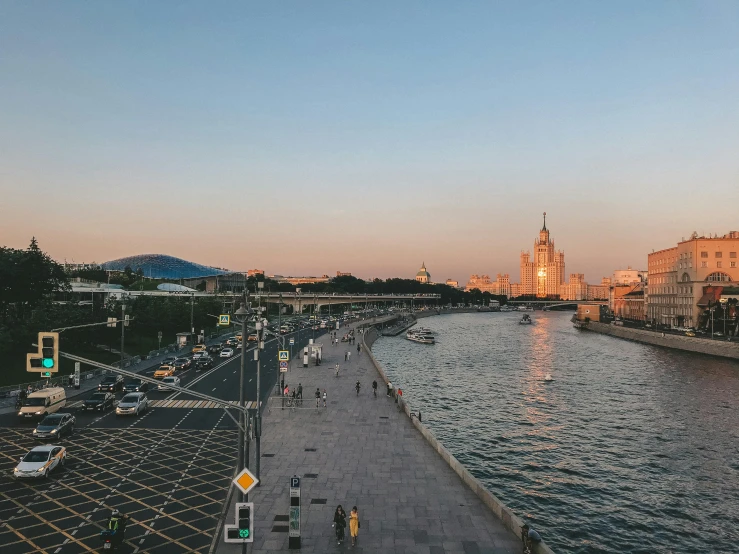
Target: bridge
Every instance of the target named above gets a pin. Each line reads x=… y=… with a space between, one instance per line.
x=555 y=303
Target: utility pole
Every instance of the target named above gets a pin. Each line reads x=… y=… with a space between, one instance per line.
x=192 y=324
x=261 y=324
x=123 y=330
x=242 y=314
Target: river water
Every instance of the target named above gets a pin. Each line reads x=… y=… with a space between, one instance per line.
x=631 y=448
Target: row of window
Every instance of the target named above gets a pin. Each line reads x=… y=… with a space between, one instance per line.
x=717 y=254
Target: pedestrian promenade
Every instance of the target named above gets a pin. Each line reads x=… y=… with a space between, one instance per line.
x=361 y=450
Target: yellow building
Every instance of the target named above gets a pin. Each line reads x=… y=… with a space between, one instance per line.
x=501 y=286
x=683 y=280
x=543 y=274
x=423 y=276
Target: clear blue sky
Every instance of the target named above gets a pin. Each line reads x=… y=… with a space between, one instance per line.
x=309 y=137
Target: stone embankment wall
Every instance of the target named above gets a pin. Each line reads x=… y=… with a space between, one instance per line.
x=722 y=348
x=429 y=313
x=509 y=519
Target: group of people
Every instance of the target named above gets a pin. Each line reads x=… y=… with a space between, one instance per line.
x=339 y=524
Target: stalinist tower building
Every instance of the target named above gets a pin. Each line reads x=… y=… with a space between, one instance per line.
x=544 y=274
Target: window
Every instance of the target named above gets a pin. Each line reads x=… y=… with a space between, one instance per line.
x=718 y=264
x=704 y=264
x=732 y=264
x=732 y=254
x=718 y=254
x=704 y=254
x=718 y=276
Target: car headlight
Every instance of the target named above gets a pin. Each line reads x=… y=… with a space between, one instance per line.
x=38 y=413
x=20 y=413
x=35 y=431
x=53 y=431
x=41 y=469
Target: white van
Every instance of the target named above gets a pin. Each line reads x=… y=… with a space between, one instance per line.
x=43 y=402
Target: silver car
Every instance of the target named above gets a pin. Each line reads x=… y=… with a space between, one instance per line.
x=134 y=403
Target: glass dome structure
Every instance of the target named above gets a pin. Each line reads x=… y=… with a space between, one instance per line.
x=161 y=266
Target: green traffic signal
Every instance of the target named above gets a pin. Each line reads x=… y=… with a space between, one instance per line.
x=243 y=533
x=48 y=363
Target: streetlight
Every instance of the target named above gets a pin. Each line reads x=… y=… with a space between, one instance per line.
x=260 y=327
x=242 y=316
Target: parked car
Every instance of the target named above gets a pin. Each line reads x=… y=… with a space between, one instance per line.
x=111 y=383
x=99 y=401
x=54 y=426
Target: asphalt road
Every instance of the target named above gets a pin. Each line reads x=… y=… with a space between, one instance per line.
x=168 y=469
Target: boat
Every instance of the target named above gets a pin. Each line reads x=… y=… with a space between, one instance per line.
x=420 y=338
x=548 y=377
x=506 y=308
x=525 y=320
x=525 y=308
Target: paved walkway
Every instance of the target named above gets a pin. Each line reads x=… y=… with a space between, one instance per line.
x=362 y=451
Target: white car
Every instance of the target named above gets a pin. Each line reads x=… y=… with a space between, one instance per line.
x=175 y=381
x=40 y=461
x=227 y=352
x=134 y=403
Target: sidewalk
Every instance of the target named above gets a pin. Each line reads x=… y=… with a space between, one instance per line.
x=361 y=451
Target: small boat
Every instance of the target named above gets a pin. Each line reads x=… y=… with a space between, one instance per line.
x=548 y=377
x=420 y=338
x=525 y=320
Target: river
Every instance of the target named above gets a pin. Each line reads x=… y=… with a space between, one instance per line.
x=631 y=448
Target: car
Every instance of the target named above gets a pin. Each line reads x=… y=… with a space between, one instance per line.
x=99 y=401
x=252 y=337
x=55 y=426
x=227 y=352
x=199 y=348
x=199 y=355
x=174 y=381
x=136 y=385
x=134 y=403
x=111 y=383
x=182 y=364
x=40 y=461
x=238 y=336
x=689 y=333
x=169 y=360
x=232 y=342
x=164 y=371
x=214 y=349
x=203 y=364
x=718 y=334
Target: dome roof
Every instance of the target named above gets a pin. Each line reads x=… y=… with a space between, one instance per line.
x=422 y=272
x=161 y=266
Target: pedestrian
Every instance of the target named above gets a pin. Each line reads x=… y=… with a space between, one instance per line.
x=359 y=349
x=348 y=356
x=339 y=523
x=300 y=391
x=354 y=525
x=389 y=388
x=286 y=391
x=318 y=396
x=324 y=398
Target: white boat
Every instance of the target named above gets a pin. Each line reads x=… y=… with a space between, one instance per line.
x=525 y=308
x=525 y=320
x=548 y=377
x=423 y=339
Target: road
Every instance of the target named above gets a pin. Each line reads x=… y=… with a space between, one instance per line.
x=168 y=469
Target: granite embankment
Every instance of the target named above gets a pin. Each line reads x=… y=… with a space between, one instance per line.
x=723 y=348
x=509 y=520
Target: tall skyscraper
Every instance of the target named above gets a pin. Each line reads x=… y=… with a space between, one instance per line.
x=544 y=274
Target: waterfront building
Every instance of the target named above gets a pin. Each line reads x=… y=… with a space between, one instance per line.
x=423 y=276
x=627 y=301
x=576 y=289
x=684 y=281
x=452 y=283
x=343 y=274
x=599 y=292
x=300 y=280
x=501 y=286
x=628 y=276
x=543 y=274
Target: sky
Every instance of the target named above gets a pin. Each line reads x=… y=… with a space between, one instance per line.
x=306 y=138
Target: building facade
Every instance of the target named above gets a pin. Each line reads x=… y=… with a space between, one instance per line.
x=452 y=283
x=543 y=274
x=685 y=280
x=576 y=289
x=501 y=286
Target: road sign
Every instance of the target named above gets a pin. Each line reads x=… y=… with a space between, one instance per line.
x=283 y=356
x=76 y=375
x=293 y=540
x=283 y=367
x=292 y=341
x=245 y=481
x=224 y=319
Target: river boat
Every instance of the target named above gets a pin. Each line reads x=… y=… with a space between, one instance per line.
x=420 y=338
x=548 y=377
x=525 y=308
x=525 y=320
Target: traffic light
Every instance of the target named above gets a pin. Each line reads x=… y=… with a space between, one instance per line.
x=243 y=530
x=46 y=360
x=243 y=521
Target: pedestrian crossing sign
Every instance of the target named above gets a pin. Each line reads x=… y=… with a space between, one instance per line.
x=283 y=356
x=224 y=319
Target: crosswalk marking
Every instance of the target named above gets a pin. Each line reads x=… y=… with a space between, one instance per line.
x=189 y=404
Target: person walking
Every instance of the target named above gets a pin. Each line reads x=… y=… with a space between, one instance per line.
x=354 y=525
x=300 y=393
x=339 y=523
x=336 y=367
x=324 y=398
x=318 y=396
x=359 y=349
x=348 y=355
x=389 y=388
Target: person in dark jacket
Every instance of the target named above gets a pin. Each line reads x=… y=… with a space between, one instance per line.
x=339 y=523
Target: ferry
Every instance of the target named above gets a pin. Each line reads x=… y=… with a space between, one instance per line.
x=421 y=335
x=525 y=320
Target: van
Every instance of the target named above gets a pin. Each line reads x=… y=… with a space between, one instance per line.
x=43 y=402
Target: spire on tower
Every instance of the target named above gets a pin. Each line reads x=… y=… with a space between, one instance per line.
x=545 y=222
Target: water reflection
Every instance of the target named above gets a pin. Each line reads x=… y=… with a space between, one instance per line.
x=630 y=449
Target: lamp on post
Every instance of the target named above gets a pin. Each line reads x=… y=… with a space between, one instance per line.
x=242 y=316
x=261 y=325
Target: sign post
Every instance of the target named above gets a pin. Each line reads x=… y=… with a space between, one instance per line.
x=292 y=343
x=283 y=367
x=159 y=336
x=294 y=531
x=76 y=375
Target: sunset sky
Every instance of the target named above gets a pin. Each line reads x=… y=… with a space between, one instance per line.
x=309 y=137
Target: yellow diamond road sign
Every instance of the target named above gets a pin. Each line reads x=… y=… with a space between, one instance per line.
x=245 y=481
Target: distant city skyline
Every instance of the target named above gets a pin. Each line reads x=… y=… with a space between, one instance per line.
x=309 y=138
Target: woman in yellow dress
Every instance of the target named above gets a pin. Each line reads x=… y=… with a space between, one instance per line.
x=354 y=525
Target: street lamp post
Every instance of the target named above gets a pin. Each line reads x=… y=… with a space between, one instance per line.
x=242 y=316
x=261 y=325
x=123 y=330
